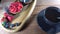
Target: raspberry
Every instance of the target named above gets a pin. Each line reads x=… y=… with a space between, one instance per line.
x=15 y=7
x=10 y=18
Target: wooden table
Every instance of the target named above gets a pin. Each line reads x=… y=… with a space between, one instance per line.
x=32 y=27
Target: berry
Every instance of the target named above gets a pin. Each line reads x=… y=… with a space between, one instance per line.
x=15 y=7
x=12 y=25
x=10 y=18
x=7 y=25
x=17 y=24
x=4 y=23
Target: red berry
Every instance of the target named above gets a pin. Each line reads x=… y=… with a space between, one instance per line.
x=5 y=14
x=15 y=7
x=2 y=19
x=10 y=18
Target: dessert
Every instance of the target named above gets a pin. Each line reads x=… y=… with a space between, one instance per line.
x=15 y=15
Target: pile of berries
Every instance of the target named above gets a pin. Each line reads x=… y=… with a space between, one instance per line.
x=14 y=8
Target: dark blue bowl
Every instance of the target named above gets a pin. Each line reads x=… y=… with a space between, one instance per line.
x=47 y=19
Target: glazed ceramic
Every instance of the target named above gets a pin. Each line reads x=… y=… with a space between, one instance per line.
x=22 y=18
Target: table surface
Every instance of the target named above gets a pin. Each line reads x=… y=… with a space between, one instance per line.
x=31 y=26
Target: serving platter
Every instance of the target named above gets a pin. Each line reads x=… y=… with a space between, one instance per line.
x=21 y=17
